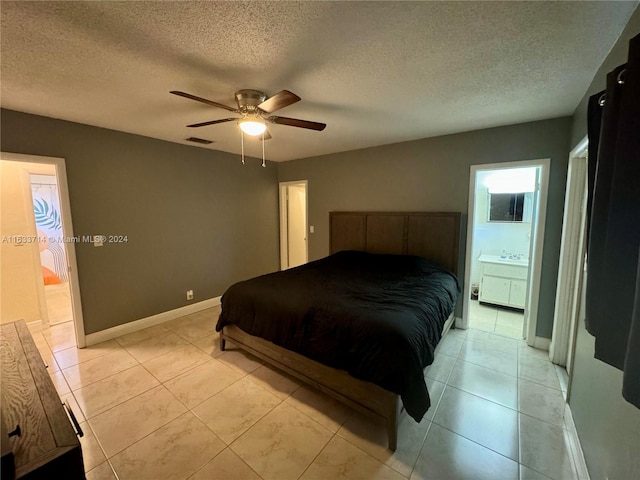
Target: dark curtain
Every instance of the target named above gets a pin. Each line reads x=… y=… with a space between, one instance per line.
x=612 y=303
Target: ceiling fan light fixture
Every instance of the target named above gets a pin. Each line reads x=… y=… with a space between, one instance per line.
x=253 y=127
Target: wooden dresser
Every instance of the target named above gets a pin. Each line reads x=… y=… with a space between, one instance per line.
x=41 y=438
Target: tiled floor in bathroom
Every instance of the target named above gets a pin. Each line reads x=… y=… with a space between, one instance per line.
x=166 y=403
x=501 y=320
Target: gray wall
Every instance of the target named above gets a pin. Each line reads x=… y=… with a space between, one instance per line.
x=608 y=426
x=195 y=218
x=433 y=175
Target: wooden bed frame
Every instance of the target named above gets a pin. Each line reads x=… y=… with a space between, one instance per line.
x=432 y=235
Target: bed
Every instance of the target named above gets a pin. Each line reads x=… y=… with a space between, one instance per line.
x=362 y=323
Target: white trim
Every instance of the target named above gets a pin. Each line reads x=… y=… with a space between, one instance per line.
x=35 y=326
x=67 y=230
x=471 y=215
x=537 y=243
x=581 y=149
x=134 y=326
x=537 y=248
x=541 y=343
x=575 y=446
x=571 y=252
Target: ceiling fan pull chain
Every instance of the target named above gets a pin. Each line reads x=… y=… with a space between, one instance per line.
x=263 y=164
x=242 y=143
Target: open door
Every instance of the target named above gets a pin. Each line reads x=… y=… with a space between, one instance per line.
x=293 y=224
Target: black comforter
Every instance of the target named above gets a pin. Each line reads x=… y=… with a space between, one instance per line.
x=379 y=317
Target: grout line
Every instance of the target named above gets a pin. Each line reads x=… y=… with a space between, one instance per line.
x=482 y=398
x=155 y=327
x=424 y=441
x=120 y=403
x=322 y=450
x=101 y=448
x=171 y=349
x=464 y=360
x=106 y=352
x=100 y=379
x=484 y=446
x=334 y=434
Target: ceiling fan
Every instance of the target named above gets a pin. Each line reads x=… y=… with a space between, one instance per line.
x=255 y=109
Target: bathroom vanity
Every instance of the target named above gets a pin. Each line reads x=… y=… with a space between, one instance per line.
x=503 y=281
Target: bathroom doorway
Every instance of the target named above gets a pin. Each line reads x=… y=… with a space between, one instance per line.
x=507 y=202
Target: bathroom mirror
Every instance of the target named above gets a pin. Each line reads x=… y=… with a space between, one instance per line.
x=506 y=207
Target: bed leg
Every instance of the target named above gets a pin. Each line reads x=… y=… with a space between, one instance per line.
x=392 y=424
x=223 y=343
x=392 y=433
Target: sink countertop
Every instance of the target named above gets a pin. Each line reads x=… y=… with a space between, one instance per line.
x=504 y=261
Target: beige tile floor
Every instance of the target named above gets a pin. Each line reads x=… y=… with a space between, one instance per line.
x=58 y=303
x=166 y=403
x=503 y=321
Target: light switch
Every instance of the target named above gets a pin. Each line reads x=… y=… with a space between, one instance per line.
x=98 y=240
x=311 y=229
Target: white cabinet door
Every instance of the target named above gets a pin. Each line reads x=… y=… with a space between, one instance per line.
x=495 y=290
x=518 y=293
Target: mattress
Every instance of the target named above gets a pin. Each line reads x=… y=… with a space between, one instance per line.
x=377 y=317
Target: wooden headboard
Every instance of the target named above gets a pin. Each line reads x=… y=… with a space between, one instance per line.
x=433 y=235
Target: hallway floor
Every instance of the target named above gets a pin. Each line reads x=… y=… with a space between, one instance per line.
x=165 y=402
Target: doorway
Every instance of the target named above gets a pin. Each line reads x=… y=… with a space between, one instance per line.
x=507 y=204
x=572 y=259
x=39 y=275
x=293 y=224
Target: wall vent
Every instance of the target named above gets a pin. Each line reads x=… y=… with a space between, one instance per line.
x=204 y=141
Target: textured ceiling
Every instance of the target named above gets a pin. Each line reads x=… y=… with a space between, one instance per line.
x=375 y=72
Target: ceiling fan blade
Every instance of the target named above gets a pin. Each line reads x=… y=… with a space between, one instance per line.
x=294 y=122
x=212 y=122
x=279 y=100
x=203 y=100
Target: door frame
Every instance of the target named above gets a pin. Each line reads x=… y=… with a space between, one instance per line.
x=284 y=222
x=67 y=231
x=571 y=264
x=536 y=244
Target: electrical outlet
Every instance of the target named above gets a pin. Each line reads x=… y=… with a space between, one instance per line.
x=189 y=294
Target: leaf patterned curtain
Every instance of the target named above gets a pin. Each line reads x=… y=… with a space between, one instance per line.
x=46 y=209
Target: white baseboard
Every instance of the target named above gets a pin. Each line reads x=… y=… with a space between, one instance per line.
x=574 y=445
x=542 y=343
x=35 y=326
x=134 y=326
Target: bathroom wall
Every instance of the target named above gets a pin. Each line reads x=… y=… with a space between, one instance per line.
x=494 y=238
